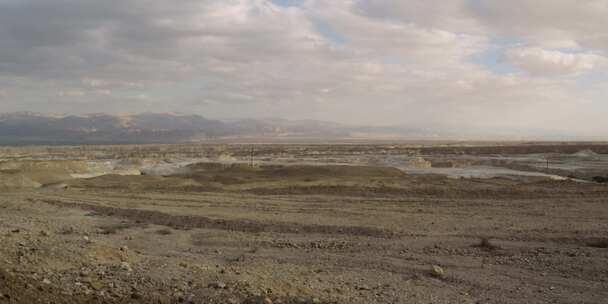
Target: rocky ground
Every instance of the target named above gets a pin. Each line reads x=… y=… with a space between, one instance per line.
x=115 y=246
x=303 y=234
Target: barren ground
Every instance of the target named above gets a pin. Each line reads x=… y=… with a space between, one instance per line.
x=304 y=234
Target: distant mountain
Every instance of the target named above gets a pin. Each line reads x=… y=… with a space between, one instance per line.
x=35 y=128
x=25 y=128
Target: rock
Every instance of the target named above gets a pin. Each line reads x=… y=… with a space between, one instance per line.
x=124 y=248
x=437 y=272
x=301 y=301
x=15 y=230
x=136 y=296
x=44 y=233
x=67 y=230
x=316 y=301
x=126 y=267
x=46 y=281
x=97 y=285
x=259 y=300
x=232 y=301
x=218 y=285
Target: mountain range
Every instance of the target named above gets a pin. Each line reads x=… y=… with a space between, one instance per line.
x=24 y=128
x=36 y=128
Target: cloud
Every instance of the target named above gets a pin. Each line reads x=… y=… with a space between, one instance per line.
x=355 y=61
x=540 y=61
x=548 y=23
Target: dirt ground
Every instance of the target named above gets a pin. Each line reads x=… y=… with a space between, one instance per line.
x=304 y=234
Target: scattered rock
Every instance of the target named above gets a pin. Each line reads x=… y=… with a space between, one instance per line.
x=218 y=285
x=259 y=300
x=136 y=296
x=486 y=244
x=437 y=272
x=97 y=285
x=46 y=281
x=67 y=230
x=126 y=267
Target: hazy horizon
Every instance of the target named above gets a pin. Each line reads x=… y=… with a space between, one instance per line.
x=500 y=66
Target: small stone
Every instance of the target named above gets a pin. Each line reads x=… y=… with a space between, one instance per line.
x=136 y=296
x=232 y=301
x=124 y=248
x=218 y=285
x=126 y=267
x=46 y=281
x=44 y=233
x=267 y=301
x=316 y=301
x=301 y=301
x=97 y=285
x=437 y=272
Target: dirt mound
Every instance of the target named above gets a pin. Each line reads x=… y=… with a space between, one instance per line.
x=585 y=154
x=13 y=179
x=139 y=182
x=33 y=174
x=36 y=173
x=166 y=168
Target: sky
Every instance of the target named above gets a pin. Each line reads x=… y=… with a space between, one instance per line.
x=487 y=64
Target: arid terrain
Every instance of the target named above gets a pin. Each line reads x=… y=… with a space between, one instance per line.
x=341 y=223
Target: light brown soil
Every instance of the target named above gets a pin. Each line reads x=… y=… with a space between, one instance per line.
x=304 y=235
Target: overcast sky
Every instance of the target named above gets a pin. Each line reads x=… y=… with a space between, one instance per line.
x=539 y=64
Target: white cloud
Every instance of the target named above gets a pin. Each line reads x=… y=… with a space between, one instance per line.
x=548 y=23
x=357 y=61
x=540 y=61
